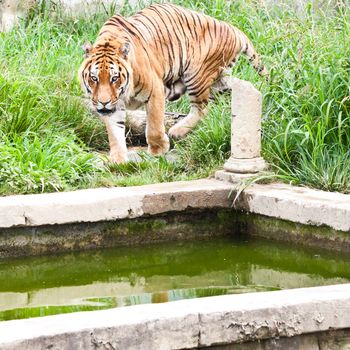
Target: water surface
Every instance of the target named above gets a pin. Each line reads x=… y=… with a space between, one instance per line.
x=101 y=279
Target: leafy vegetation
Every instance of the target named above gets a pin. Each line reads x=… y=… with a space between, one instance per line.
x=49 y=141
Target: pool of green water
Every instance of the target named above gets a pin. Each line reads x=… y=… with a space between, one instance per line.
x=102 y=279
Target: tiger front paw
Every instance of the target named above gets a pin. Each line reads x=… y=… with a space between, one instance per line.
x=160 y=146
x=118 y=157
x=178 y=131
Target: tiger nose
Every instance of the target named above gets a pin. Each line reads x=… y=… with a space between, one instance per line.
x=104 y=104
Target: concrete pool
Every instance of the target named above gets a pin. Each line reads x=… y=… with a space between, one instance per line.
x=176 y=218
x=124 y=276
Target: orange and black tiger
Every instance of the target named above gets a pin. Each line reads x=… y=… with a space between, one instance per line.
x=160 y=53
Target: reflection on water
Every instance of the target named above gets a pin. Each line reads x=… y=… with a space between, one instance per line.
x=153 y=274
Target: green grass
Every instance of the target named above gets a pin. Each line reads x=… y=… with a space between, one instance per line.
x=49 y=141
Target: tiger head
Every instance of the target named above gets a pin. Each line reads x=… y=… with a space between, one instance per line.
x=105 y=74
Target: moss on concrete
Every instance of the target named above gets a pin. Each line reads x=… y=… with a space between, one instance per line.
x=60 y=238
x=170 y=227
x=287 y=231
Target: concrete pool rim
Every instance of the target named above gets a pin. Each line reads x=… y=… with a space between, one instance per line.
x=188 y=324
x=123 y=216
x=179 y=324
x=295 y=204
x=111 y=217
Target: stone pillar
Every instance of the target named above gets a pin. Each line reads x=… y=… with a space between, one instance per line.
x=245 y=157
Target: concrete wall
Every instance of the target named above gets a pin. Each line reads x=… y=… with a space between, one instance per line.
x=12 y=10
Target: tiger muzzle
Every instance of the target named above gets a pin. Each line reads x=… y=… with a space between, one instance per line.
x=105 y=108
x=106 y=111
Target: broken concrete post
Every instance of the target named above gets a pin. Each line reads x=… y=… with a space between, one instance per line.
x=245 y=131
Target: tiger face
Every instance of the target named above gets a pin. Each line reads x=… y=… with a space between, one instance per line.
x=105 y=75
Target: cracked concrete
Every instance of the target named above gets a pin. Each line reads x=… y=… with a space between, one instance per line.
x=328 y=340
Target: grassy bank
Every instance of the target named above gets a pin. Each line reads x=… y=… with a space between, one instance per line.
x=50 y=142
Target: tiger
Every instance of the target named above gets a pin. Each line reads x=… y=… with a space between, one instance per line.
x=159 y=54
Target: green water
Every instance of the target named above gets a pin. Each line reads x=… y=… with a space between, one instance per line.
x=118 y=277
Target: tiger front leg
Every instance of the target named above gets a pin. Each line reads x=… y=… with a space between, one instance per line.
x=157 y=139
x=115 y=127
x=199 y=96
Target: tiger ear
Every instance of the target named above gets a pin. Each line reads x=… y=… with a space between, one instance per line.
x=87 y=47
x=124 y=50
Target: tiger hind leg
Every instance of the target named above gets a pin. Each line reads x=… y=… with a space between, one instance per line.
x=197 y=112
x=222 y=84
x=174 y=91
x=198 y=87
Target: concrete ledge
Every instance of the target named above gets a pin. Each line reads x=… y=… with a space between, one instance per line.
x=104 y=204
x=187 y=324
x=296 y=204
